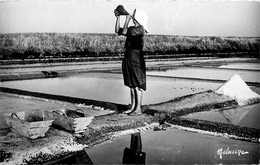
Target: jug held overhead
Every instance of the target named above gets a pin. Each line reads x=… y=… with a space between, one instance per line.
x=121 y=10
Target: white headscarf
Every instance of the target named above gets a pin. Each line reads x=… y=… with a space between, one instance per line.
x=142 y=18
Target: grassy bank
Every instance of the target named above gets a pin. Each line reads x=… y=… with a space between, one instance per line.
x=71 y=45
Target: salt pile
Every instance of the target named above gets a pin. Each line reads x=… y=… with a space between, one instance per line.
x=236 y=88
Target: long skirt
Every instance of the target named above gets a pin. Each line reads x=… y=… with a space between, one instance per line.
x=134 y=71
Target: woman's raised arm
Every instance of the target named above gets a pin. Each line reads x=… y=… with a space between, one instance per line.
x=117 y=25
x=127 y=20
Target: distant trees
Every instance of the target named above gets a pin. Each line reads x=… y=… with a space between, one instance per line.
x=62 y=45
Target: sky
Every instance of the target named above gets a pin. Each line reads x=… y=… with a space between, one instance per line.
x=167 y=17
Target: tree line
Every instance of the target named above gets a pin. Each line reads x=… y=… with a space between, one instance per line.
x=64 y=45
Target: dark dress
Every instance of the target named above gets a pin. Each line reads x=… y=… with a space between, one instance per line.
x=133 y=64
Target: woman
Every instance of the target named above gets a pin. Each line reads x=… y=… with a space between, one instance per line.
x=133 y=64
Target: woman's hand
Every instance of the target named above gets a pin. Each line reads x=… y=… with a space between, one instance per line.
x=116 y=13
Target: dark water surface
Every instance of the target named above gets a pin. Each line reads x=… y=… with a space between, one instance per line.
x=172 y=146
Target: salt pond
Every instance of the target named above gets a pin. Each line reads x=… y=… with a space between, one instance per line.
x=249 y=66
x=236 y=65
x=173 y=146
x=109 y=87
x=208 y=73
x=161 y=147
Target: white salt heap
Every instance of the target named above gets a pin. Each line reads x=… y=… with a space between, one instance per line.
x=236 y=88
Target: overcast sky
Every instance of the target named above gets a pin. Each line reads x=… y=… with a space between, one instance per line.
x=199 y=18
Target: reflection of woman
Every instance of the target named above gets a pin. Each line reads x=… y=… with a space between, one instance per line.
x=133 y=64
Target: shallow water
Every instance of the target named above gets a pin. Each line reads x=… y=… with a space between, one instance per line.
x=173 y=146
x=234 y=65
x=250 y=66
x=109 y=87
x=247 y=116
x=208 y=73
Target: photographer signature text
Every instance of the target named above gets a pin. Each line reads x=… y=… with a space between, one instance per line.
x=227 y=151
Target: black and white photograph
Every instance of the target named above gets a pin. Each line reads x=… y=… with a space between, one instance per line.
x=129 y=82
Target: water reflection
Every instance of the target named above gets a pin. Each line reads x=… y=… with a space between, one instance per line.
x=234 y=116
x=247 y=116
x=172 y=146
x=134 y=154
